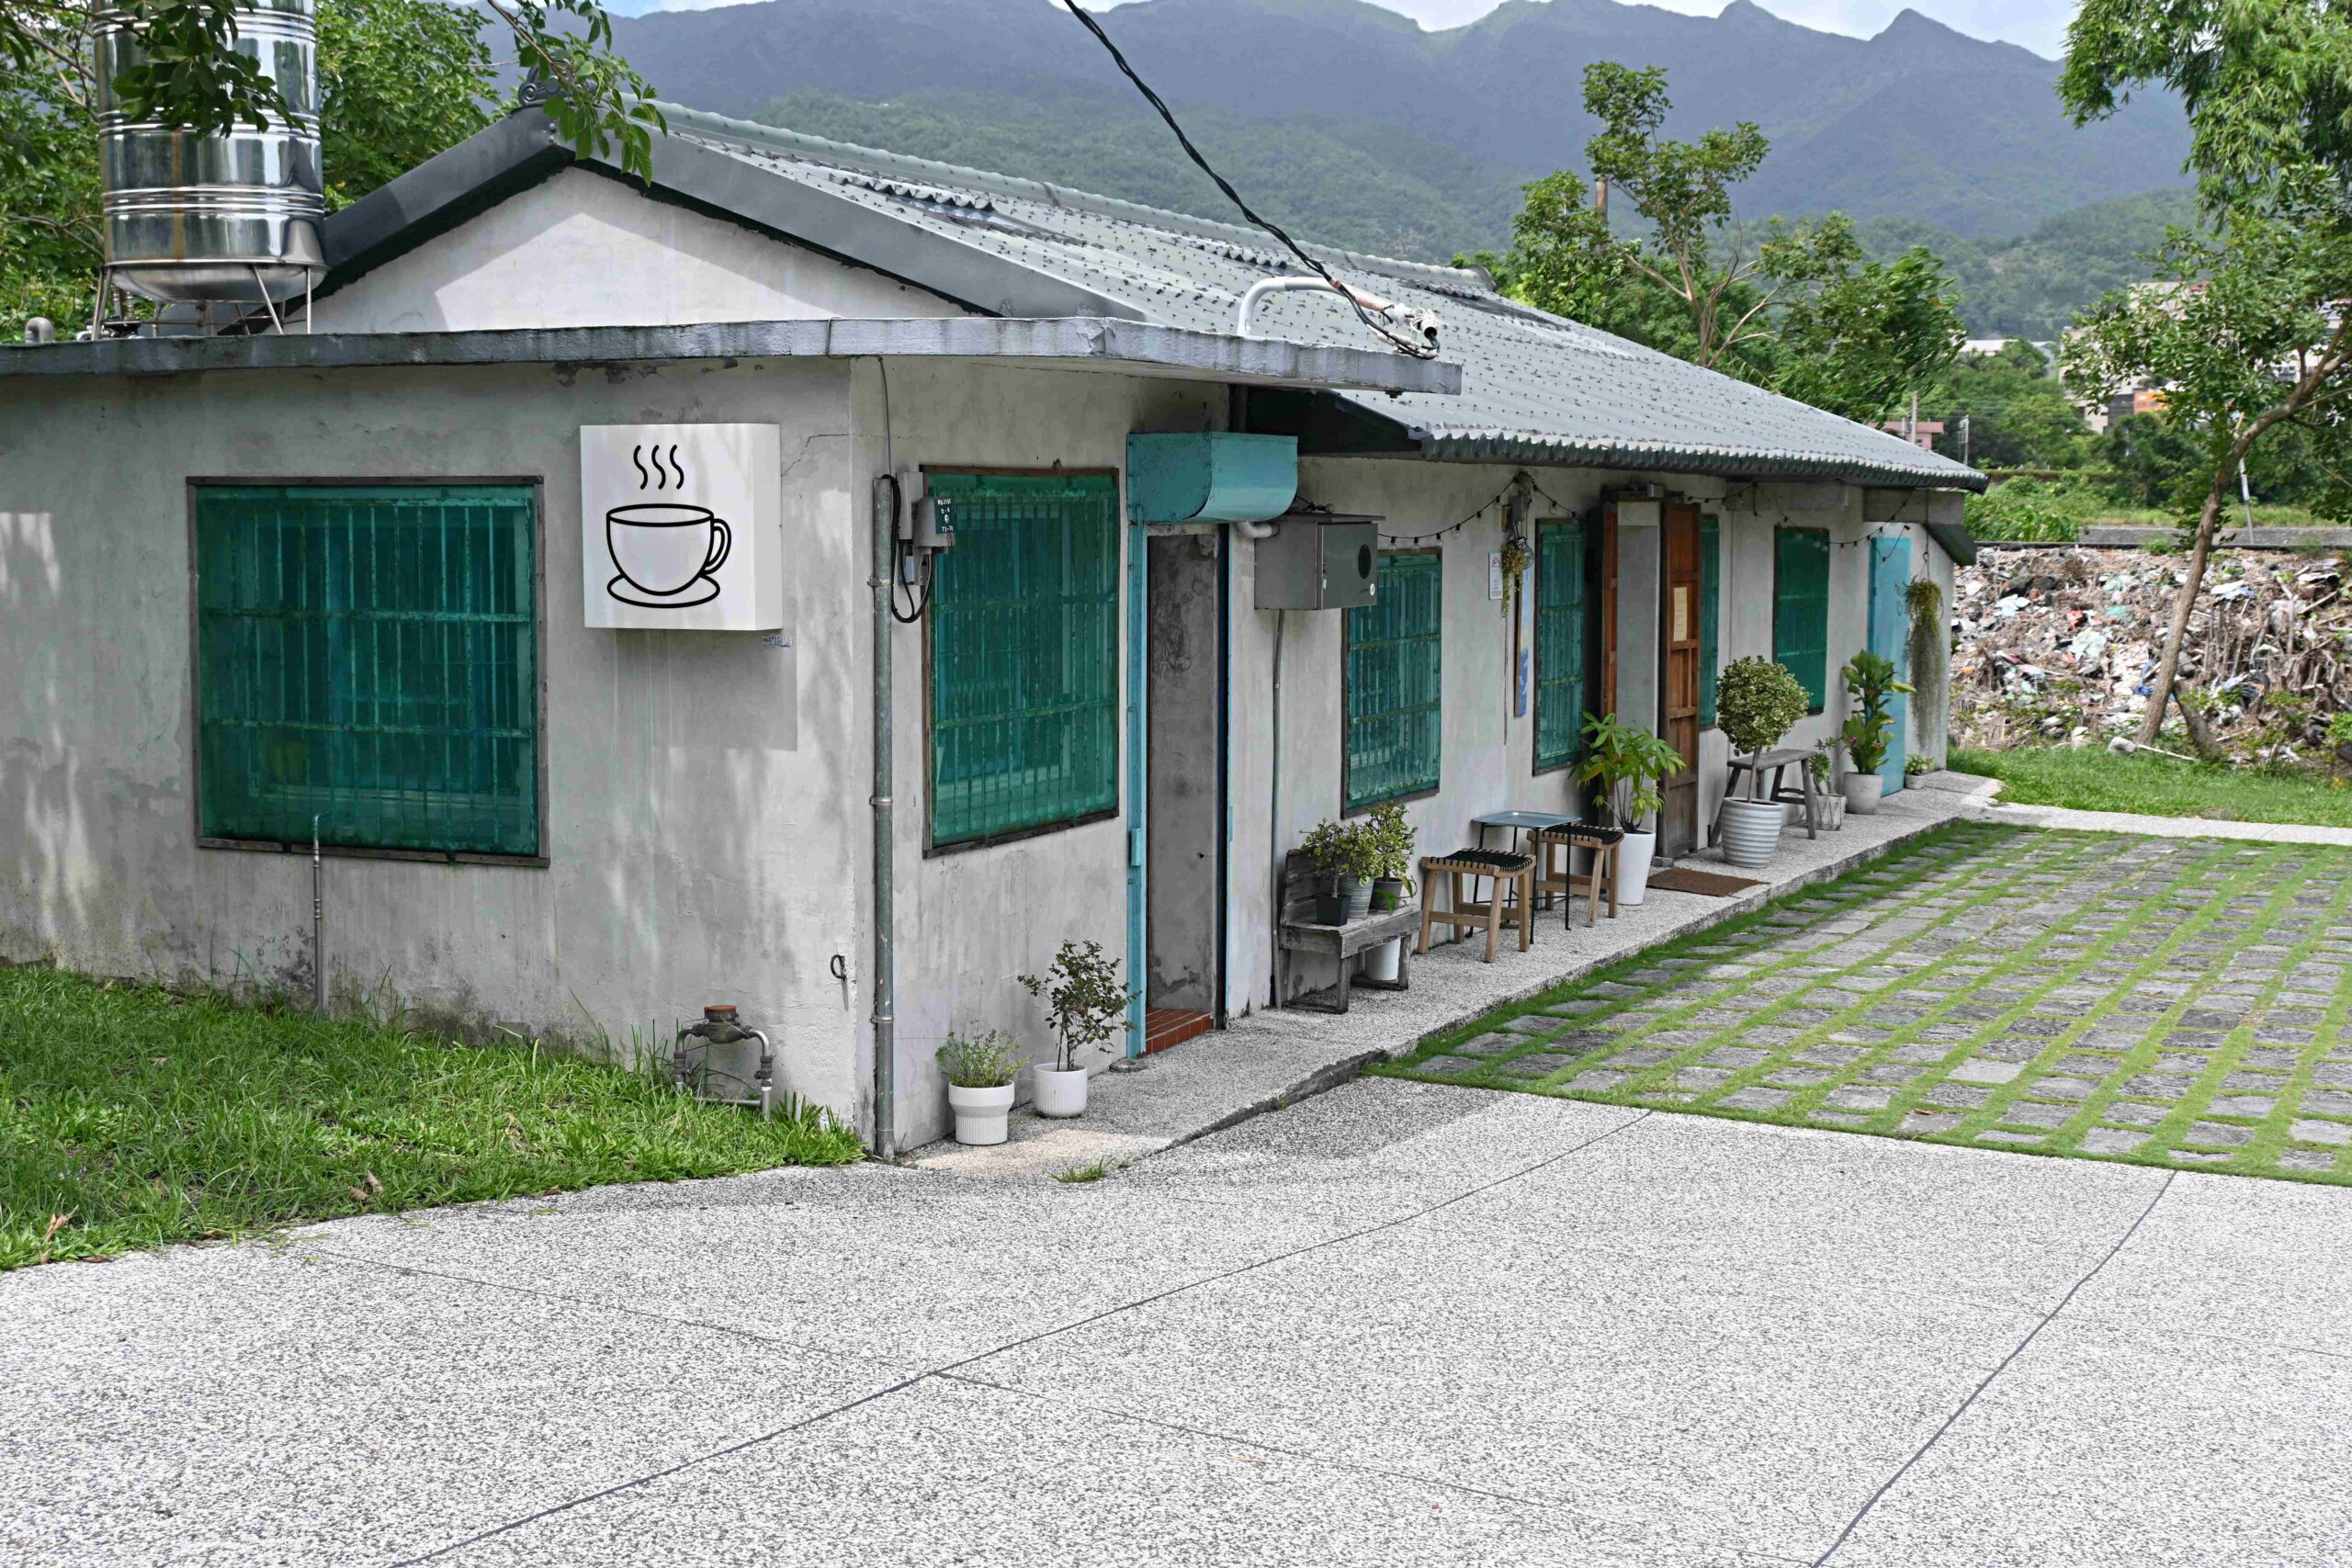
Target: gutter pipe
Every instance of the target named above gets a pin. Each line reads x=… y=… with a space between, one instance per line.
x=886 y=1063
x=1423 y=322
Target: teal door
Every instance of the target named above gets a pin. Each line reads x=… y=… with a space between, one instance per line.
x=1890 y=575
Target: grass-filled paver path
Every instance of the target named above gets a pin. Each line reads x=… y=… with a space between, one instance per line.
x=2174 y=1002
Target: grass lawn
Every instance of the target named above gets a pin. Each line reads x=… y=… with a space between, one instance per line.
x=2094 y=779
x=2184 y=1003
x=143 y=1117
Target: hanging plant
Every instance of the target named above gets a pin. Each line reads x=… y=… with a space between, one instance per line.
x=1930 y=650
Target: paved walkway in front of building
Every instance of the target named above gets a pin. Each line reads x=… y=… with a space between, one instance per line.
x=1274 y=1057
x=2184 y=1002
x=1399 y=1323
x=1994 y=810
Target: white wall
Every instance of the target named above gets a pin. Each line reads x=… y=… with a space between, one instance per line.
x=969 y=920
x=582 y=250
x=704 y=791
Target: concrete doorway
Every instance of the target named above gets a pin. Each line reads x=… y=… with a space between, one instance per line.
x=1185 y=860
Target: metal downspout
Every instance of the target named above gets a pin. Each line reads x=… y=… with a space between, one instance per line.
x=886 y=1065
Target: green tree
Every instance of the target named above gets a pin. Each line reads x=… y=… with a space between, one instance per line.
x=399 y=81
x=2243 y=325
x=1796 y=307
x=2019 y=415
x=192 y=73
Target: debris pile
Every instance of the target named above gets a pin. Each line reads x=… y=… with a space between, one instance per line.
x=2058 y=645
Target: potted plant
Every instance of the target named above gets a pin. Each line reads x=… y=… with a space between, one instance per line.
x=1392 y=842
x=1869 y=729
x=1088 y=1003
x=980 y=1070
x=1828 y=806
x=1628 y=764
x=1757 y=702
x=1349 y=852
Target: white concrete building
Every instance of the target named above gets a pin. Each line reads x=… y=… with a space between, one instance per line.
x=368 y=576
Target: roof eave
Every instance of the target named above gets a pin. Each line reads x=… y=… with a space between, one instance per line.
x=1725 y=461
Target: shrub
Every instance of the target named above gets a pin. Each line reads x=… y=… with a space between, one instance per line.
x=1628 y=764
x=1345 y=849
x=986 y=1061
x=1757 y=702
x=1392 y=842
x=1085 y=996
x=1870 y=679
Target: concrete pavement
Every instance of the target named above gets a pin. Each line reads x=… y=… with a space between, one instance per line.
x=1400 y=1322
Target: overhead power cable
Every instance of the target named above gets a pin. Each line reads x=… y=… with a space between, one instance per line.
x=1403 y=344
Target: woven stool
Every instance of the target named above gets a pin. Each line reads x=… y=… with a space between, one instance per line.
x=1553 y=875
x=1510 y=871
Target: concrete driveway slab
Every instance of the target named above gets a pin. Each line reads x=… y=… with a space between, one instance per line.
x=987 y=1477
x=1818 y=1209
x=963 y=1266
x=240 y=1406
x=2270 y=1265
x=1743 y=1411
x=1366 y=1151
x=2107 y=1447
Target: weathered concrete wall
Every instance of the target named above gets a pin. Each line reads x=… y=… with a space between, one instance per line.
x=581 y=250
x=1182 y=824
x=704 y=791
x=971 y=920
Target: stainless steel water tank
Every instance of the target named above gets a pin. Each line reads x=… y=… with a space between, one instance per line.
x=218 y=217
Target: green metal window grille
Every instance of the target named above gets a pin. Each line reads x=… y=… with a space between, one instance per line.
x=1560 y=693
x=1801 y=609
x=1024 y=655
x=1392 y=672
x=1711 y=598
x=368 y=656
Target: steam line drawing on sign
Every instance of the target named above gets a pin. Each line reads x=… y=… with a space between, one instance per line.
x=666 y=552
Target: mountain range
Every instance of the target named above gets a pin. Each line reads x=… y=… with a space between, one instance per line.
x=1353 y=123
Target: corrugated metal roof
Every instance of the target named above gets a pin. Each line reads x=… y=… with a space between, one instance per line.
x=1536 y=388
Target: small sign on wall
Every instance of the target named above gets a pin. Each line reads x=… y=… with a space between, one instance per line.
x=680 y=527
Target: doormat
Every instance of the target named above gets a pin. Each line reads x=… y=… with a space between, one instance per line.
x=1715 y=885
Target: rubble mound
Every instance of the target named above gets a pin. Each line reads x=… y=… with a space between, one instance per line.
x=2060 y=644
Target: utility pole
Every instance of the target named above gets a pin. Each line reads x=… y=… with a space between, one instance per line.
x=2246 y=493
x=1963 y=438
x=1911 y=424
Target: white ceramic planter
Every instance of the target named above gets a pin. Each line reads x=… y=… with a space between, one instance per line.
x=1635 y=852
x=1861 y=791
x=1380 y=963
x=1060 y=1093
x=1751 y=830
x=979 y=1113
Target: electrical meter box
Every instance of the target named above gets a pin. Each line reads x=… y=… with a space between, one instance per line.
x=1319 y=561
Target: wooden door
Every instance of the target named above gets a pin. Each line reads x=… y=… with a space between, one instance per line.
x=1678 y=685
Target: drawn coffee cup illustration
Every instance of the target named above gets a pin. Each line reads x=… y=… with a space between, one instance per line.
x=668 y=551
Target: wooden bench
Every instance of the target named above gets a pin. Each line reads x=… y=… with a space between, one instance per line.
x=1298 y=931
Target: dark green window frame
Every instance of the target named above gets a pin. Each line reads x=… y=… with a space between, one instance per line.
x=367 y=655
x=1710 y=600
x=1394 y=672
x=1801 y=609
x=1562 y=617
x=1022 y=668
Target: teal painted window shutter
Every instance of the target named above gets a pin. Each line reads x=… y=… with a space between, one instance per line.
x=1394 y=679
x=1711 y=598
x=1561 y=694
x=1801 y=609
x=368 y=655
x=1024 y=655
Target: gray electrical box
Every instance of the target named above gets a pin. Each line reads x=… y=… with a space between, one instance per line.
x=1320 y=561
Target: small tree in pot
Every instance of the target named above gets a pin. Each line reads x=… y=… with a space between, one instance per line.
x=1757 y=702
x=1089 y=1003
x=1392 y=841
x=1628 y=765
x=1868 y=731
x=980 y=1070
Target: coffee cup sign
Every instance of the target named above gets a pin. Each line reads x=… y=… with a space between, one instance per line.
x=679 y=526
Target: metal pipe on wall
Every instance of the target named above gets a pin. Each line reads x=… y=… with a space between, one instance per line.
x=884 y=524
